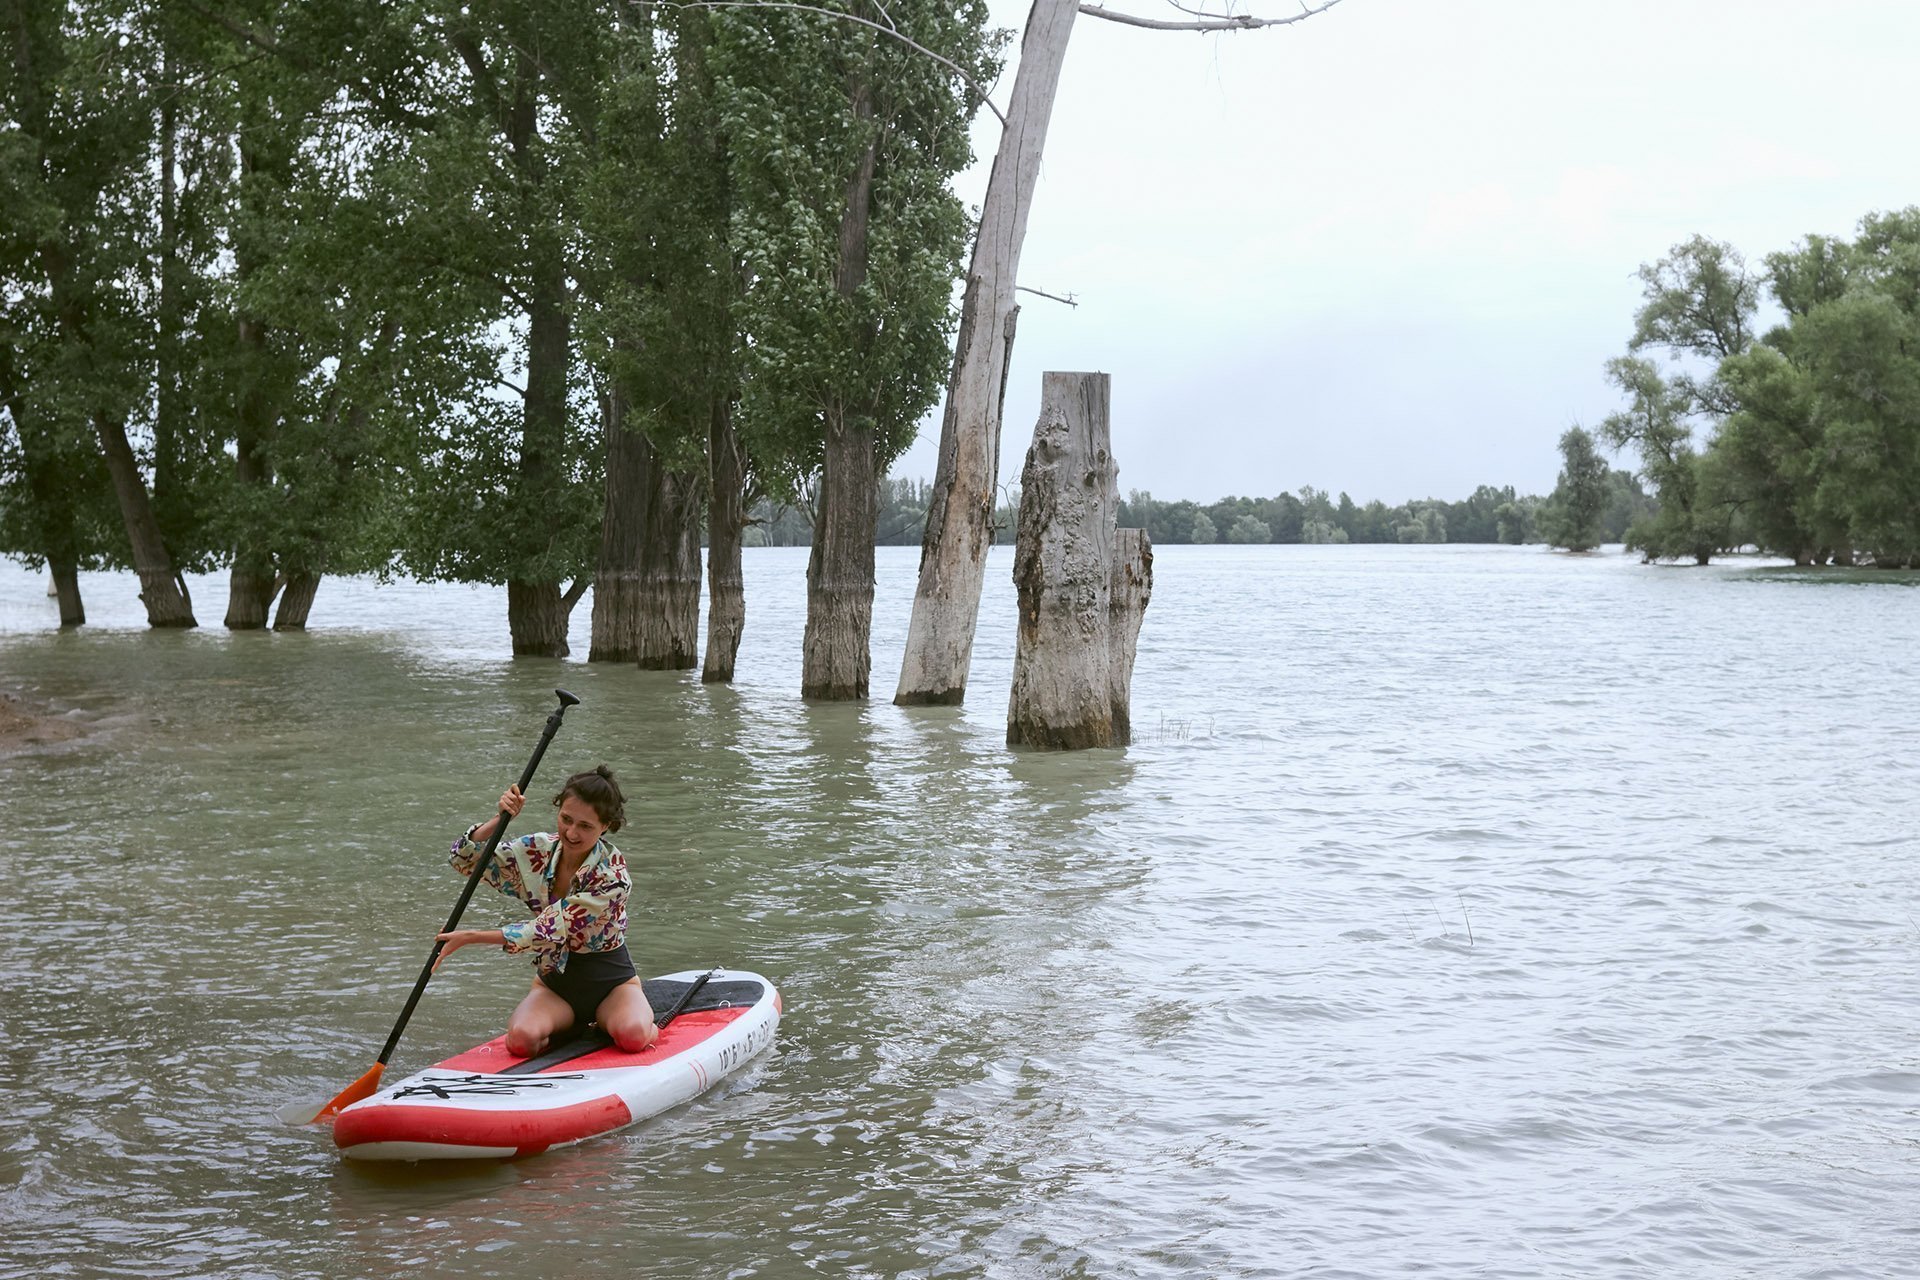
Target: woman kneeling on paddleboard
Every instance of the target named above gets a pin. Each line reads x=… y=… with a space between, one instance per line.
x=576 y=884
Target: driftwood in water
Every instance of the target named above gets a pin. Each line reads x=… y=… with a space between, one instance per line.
x=1067 y=691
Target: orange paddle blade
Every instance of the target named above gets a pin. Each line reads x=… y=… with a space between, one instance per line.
x=365 y=1087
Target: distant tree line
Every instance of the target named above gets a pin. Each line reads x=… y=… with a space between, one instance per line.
x=1802 y=441
x=1310 y=515
x=1489 y=515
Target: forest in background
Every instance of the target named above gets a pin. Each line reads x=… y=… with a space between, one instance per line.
x=1489 y=514
x=1801 y=439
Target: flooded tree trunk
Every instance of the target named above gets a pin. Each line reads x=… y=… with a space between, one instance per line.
x=1128 y=592
x=162 y=590
x=953 y=553
x=66 y=586
x=669 y=637
x=252 y=580
x=250 y=590
x=837 y=658
x=52 y=499
x=537 y=610
x=1063 y=569
x=537 y=618
x=726 y=518
x=836 y=654
x=616 y=578
x=296 y=601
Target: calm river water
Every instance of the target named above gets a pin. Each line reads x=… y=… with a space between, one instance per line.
x=1460 y=911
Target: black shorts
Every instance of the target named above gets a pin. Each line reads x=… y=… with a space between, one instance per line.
x=589 y=978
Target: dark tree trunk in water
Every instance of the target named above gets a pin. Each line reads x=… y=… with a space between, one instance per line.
x=51 y=498
x=296 y=601
x=837 y=657
x=162 y=590
x=252 y=579
x=616 y=579
x=537 y=611
x=66 y=585
x=172 y=505
x=726 y=517
x=670 y=573
x=537 y=617
x=1063 y=567
x=250 y=588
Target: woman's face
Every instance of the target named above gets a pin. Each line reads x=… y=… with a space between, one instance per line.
x=579 y=825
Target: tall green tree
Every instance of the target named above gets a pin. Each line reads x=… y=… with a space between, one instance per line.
x=89 y=274
x=843 y=144
x=1656 y=424
x=501 y=96
x=1698 y=304
x=1572 y=517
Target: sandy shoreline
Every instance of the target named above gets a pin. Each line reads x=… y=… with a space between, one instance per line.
x=24 y=724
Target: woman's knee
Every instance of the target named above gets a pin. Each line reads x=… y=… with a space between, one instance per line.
x=633 y=1034
x=525 y=1042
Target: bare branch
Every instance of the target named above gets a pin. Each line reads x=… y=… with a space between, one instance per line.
x=1070 y=300
x=955 y=67
x=1225 y=22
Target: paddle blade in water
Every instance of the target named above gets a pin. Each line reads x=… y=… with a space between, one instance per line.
x=365 y=1087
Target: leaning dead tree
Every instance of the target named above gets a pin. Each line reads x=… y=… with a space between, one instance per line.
x=953 y=556
x=1083 y=584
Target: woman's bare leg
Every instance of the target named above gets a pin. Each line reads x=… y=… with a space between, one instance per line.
x=535 y=1020
x=627 y=1017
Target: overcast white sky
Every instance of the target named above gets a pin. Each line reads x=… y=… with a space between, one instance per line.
x=1388 y=250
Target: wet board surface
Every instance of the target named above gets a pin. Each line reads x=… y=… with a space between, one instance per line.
x=485 y=1103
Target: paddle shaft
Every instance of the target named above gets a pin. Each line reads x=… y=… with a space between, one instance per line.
x=473 y=878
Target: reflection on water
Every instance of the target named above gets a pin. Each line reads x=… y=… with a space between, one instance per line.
x=1472 y=910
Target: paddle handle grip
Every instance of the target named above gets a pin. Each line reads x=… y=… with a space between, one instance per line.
x=474 y=876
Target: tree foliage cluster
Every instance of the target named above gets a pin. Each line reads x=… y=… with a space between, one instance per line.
x=487 y=290
x=1810 y=429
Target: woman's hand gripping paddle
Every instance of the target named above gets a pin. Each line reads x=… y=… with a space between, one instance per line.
x=367 y=1085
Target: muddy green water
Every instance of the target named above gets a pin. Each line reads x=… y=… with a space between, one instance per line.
x=1459 y=911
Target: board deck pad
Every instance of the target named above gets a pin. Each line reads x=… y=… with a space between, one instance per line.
x=662 y=994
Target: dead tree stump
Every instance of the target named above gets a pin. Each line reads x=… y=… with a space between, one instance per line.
x=1067 y=692
x=1127 y=594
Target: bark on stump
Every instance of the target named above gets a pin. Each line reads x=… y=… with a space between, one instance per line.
x=1064 y=682
x=1128 y=592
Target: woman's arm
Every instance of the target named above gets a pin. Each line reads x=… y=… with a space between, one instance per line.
x=459 y=938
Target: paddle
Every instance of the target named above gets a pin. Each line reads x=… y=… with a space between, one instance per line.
x=367 y=1085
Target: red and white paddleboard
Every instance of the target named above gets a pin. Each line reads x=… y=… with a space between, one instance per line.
x=487 y=1104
